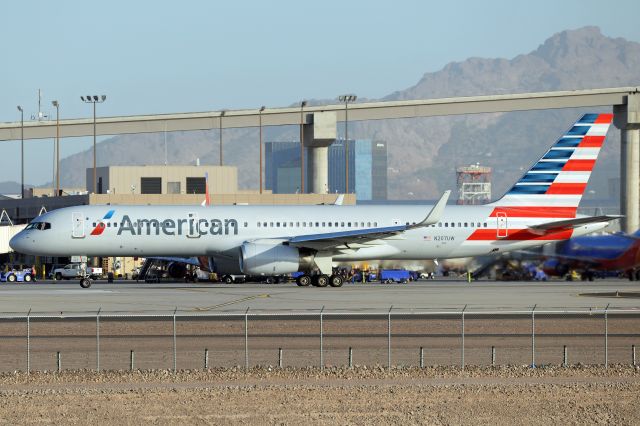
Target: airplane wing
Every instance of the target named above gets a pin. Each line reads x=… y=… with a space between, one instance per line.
x=358 y=238
x=572 y=223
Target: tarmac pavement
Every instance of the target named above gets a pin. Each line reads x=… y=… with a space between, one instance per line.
x=444 y=294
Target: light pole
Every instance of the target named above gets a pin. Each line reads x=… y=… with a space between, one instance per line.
x=220 y=132
x=302 y=105
x=56 y=104
x=21 y=151
x=260 y=125
x=94 y=100
x=346 y=99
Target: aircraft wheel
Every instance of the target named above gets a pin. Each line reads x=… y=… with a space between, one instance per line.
x=336 y=281
x=85 y=282
x=303 y=280
x=322 y=281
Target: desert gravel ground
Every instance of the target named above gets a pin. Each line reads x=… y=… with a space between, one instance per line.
x=504 y=395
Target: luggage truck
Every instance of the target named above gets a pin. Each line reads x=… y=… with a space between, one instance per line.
x=389 y=276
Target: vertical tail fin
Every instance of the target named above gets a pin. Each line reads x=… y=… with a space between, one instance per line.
x=554 y=186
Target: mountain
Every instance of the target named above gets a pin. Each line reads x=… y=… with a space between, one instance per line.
x=423 y=152
x=11 y=187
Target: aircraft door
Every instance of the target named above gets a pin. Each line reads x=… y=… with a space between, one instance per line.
x=77 y=225
x=502 y=229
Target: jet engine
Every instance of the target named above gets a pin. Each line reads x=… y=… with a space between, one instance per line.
x=177 y=270
x=273 y=258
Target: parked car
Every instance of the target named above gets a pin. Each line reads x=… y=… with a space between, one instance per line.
x=14 y=275
x=74 y=270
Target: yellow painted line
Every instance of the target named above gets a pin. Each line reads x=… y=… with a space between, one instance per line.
x=232 y=302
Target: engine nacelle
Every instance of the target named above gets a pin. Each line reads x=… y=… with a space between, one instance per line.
x=273 y=258
x=177 y=270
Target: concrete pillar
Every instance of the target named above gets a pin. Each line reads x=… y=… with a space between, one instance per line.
x=318 y=135
x=318 y=170
x=627 y=119
x=630 y=179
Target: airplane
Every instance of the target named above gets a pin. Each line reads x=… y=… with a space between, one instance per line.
x=595 y=253
x=540 y=208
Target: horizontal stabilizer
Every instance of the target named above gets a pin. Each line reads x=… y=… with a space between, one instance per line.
x=573 y=223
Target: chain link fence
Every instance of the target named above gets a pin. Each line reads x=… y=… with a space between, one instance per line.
x=322 y=338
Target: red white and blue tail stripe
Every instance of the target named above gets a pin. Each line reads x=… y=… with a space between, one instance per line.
x=558 y=180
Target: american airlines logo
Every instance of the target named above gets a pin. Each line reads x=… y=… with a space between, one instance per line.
x=100 y=226
x=191 y=226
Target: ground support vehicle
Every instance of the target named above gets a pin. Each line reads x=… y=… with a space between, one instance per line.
x=389 y=276
x=14 y=275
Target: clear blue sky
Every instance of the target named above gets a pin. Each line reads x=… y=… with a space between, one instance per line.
x=159 y=57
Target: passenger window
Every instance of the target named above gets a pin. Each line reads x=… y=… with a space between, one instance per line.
x=375 y=224
x=471 y=224
x=271 y=224
x=290 y=224
x=258 y=224
x=439 y=225
x=94 y=224
x=324 y=224
x=329 y=224
x=264 y=224
x=459 y=224
x=246 y=224
x=446 y=224
x=317 y=224
x=108 y=224
x=349 y=224
x=466 y=224
x=368 y=224
x=479 y=225
x=297 y=224
x=485 y=224
x=278 y=224
x=342 y=224
x=284 y=224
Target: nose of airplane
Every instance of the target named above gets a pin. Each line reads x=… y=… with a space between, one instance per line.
x=19 y=242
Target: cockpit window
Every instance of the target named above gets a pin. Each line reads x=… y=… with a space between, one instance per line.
x=40 y=226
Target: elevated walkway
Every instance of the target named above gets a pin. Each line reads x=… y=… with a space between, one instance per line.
x=6 y=233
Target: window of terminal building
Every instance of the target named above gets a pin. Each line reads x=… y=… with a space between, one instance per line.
x=173 y=187
x=196 y=185
x=150 y=185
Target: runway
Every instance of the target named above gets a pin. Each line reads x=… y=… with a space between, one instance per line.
x=132 y=297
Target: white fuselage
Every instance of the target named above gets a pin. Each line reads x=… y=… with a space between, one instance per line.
x=220 y=231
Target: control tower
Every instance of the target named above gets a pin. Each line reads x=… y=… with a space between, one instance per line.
x=474 y=184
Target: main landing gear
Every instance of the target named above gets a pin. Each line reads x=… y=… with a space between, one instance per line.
x=320 y=280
